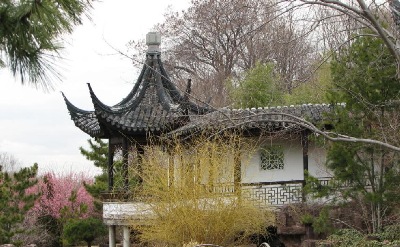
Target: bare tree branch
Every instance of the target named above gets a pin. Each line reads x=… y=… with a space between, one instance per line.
x=292 y=121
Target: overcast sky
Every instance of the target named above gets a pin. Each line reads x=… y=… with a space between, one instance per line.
x=35 y=126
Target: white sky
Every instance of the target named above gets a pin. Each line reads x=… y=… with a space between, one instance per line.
x=35 y=126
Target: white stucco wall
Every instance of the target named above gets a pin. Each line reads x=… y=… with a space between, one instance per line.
x=293 y=163
x=251 y=171
x=317 y=160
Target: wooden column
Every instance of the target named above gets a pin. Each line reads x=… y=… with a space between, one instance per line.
x=171 y=171
x=140 y=152
x=237 y=173
x=125 y=164
x=110 y=166
x=304 y=144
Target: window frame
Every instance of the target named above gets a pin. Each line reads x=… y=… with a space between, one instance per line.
x=272 y=158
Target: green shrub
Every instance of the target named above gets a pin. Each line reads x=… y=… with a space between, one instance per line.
x=391 y=233
x=353 y=238
x=87 y=230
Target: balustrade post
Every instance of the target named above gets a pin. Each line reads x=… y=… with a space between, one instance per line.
x=111 y=236
x=126 y=236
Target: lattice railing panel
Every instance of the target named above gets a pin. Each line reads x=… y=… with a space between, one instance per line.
x=275 y=195
x=264 y=195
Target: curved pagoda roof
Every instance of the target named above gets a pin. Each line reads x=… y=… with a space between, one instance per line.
x=154 y=105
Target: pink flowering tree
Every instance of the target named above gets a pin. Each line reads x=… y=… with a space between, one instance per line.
x=62 y=198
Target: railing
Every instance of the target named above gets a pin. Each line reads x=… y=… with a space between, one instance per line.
x=274 y=194
x=121 y=196
x=329 y=181
x=262 y=194
x=265 y=194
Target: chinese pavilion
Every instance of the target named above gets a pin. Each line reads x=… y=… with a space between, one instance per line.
x=155 y=106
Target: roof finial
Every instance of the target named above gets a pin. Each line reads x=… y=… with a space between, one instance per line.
x=153 y=41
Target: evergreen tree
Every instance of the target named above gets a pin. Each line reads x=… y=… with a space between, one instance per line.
x=31 y=33
x=98 y=153
x=364 y=76
x=15 y=200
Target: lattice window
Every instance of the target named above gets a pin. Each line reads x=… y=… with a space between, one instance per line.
x=272 y=158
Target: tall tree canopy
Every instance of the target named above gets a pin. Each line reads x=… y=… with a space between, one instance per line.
x=212 y=41
x=31 y=36
x=259 y=88
x=340 y=18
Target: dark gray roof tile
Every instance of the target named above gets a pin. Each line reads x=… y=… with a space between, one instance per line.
x=154 y=103
x=255 y=118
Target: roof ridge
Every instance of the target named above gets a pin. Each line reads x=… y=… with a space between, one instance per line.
x=279 y=106
x=97 y=102
x=134 y=89
x=72 y=107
